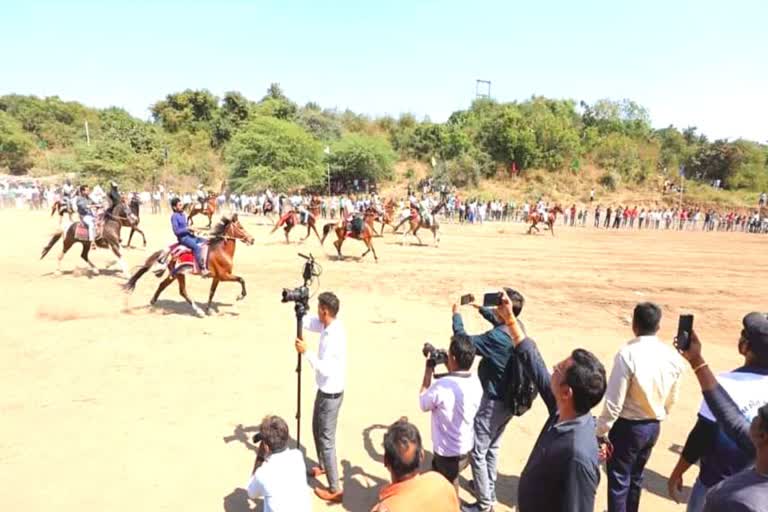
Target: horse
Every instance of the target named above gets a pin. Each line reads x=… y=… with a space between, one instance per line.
x=208 y=210
x=416 y=222
x=535 y=217
x=342 y=233
x=385 y=217
x=221 y=255
x=132 y=221
x=110 y=238
x=62 y=207
x=292 y=219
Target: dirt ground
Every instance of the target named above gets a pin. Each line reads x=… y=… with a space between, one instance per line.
x=109 y=404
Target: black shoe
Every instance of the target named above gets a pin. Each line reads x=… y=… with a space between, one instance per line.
x=474 y=507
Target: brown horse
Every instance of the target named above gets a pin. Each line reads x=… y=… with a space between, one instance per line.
x=343 y=232
x=416 y=222
x=62 y=208
x=132 y=221
x=385 y=217
x=292 y=219
x=109 y=238
x=208 y=210
x=535 y=217
x=221 y=255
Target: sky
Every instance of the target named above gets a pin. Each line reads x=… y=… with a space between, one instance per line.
x=690 y=63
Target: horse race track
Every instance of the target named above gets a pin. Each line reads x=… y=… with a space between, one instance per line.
x=109 y=404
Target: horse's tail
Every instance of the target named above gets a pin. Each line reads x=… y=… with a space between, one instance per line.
x=131 y=284
x=54 y=239
x=327 y=229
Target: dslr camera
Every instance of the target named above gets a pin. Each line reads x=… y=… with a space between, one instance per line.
x=435 y=356
x=300 y=294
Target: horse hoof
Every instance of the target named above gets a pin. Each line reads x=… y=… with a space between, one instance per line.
x=95 y=271
x=208 y=312
x=240 y=297
x=57 y=272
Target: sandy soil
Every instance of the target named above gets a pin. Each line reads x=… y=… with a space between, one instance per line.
x=109 y=404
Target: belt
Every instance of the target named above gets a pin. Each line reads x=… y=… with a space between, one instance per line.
x=330 y=395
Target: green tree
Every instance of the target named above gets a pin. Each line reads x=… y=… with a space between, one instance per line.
x=270 y=152
x=363 y=157
x=187 y=110
x=16 y=146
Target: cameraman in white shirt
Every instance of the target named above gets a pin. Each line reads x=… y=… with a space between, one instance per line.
x=453 y=399
x=330 y=365
x=279 y=473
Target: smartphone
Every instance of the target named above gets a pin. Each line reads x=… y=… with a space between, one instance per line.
x=491 y=300
x=684 y=328
x=467 y=299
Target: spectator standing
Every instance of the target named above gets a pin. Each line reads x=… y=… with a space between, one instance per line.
x=329 y=363
x=411 y=491
x=453 y=400
x=643 y=386
x=719 y=455
x=497 y=369
x=279 y=473
x=745 y=491
x=562 y=472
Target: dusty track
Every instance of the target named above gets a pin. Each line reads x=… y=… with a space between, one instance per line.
x=108 y=404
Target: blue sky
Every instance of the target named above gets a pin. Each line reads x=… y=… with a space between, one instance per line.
x=696 y=63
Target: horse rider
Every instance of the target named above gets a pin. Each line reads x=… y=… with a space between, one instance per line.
x=66 y=194
x=135 y=203
x=186 y=236
x=114 y=197
x=425 y=210
x=84 y=205
x=201 y=196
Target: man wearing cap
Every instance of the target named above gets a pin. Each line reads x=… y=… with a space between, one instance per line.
x=745 y=491
x=642 y=388
x=718 y=454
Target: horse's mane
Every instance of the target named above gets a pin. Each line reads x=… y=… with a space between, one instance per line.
x=218 y=233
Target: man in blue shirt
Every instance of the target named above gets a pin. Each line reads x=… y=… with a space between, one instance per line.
x=185 y=236
x=86 y=214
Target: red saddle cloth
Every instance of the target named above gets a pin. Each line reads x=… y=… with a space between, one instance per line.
x=81 y=229
x=182 y=258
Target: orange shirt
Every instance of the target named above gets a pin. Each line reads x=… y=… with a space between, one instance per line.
x=427 y=492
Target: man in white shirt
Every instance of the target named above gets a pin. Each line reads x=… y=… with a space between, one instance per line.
x=330 y=364
x=643 y=386
x=279 y=473
x=453 y=400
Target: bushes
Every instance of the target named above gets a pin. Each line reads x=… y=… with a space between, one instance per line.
x=362 y=156
x=16 y=146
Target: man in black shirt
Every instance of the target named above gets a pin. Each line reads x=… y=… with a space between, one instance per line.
x=562 y=472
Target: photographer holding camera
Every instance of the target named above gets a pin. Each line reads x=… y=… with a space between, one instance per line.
x=279 y=472
x=453 y=399
x=329 y=364
x=507 y=391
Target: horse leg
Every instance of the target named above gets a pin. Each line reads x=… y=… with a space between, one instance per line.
x=123 y=267
x=337 y=244
x=231 y=277
x=191 y=216
x=143 y=238
x=214 y=285
x=210 y=220
x=314 y=228
x=435 y=236
x=552 y=228
x=183 y=291
x=67 y=244
x=417 y=236
x=162 y=286
x=84 y=256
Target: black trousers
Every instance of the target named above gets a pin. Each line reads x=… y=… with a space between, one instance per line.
x=450 y=467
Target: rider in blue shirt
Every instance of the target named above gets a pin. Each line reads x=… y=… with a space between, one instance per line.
x=185 y=236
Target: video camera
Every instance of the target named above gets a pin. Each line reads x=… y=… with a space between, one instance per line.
x=435 y=356
x=301 y=294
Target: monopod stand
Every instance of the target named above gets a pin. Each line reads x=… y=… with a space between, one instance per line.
x=300 y=308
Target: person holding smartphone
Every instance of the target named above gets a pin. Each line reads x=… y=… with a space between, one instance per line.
x=642 y=388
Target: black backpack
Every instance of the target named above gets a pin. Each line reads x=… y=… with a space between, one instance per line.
x=520 y=388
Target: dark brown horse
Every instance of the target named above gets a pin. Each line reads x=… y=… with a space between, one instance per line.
x=293 y=219
x=208 y=210
x=108 y=238
x=385 y=217
x=132 y=221
x=343 y=231
x=416 y=222
x=221 y=255
x=535 y=218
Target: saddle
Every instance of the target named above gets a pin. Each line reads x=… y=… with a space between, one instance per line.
x=181 y=258
x=81 y=229
x=355 y=226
